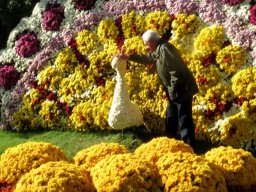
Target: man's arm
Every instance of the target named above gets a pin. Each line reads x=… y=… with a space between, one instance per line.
x=139 y=58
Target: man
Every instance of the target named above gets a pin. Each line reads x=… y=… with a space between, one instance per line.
x=177 y=80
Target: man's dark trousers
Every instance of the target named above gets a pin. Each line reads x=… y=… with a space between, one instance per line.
x=179 y=121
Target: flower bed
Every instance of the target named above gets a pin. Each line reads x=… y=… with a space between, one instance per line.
x=63 y=53
x=37 y=166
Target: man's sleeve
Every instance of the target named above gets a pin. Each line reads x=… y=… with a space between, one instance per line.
x=141 y=58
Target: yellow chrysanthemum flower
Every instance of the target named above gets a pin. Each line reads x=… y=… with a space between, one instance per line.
x=125 y=172
x=236 y=165
x=210 y=40
x=160 y=21
x=132 y=24
x=89 y=157
x=56 y=177
x=244 y=82
x=18 y=160
x=87 y=41
x=107 y=30
x=157 y=147
x=187 y=172
x=66 y=61
x=231 y=58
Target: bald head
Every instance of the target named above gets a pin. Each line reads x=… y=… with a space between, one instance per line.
x=150 y=39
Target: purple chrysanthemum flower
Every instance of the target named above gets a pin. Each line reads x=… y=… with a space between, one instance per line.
x=8 y=76
x=253 y=15
x=232 y=2
x=181 y=6
x=28 y=44
x=52 y=17
x=88 y=21
x=84 y=4
x=118 y=8
x=150 y=5
x=210 y=12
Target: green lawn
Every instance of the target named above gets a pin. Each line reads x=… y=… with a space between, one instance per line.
x=72 y=142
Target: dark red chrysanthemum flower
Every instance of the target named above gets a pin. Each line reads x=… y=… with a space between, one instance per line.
x=8 y=76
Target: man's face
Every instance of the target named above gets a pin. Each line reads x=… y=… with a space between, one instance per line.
x=150 y=46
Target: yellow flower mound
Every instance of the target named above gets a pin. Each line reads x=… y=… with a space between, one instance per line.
x=244 y=82
x=125 y=172
x=16 y=161
x=157 y=147
x=187 y=172
x=56 y=177
x=237 y=166
x=89 y=157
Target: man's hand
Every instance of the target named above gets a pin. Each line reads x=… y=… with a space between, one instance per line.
x=122 y=56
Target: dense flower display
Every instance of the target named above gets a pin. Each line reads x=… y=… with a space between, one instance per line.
x=41 y=166
x=18 y=160
x=157 y=147
x=28 y=44
x=89 y=157
x=236 y=165
x=181 y=171
x=52 y=17
x=125 y=172
x=8 y=76
x=56 y=176
x=64 y=50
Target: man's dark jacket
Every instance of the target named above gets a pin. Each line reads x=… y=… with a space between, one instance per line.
x=173 y=72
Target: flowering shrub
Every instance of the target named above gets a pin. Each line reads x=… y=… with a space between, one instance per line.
x=84 y=5
x=181 y=171
x=56 y=176
x=236 y=165
x=125 y=172
x=28 y=44
x=52 y=17
x=157 y=147
x=16 y=161
x=89 y=157
x=71 y=67
x=8 y=76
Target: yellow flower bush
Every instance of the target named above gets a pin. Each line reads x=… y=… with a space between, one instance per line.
x=125 y=172
x=235 y=129
x=87 y=41
x=50 y=115
x=66 y=61
x=18 y=160
x=159 y=21
x=50 y=78
x=133 y=24
x=72 y=87
x=231 y=58
x=56 y=177
x=157 y=147
x=89 y=157
x=210 y=40
x=187 y=172
x=221 y=93
x=206 y=77
x=107 y=30
x=236 y=165
x=185 y=24
x=244 y=82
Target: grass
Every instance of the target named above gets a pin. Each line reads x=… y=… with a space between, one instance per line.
x=72 y=142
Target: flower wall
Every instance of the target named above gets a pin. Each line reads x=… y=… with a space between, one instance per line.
x=56 y=69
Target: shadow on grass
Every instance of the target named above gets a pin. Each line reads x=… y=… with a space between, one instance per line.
x=145 y=135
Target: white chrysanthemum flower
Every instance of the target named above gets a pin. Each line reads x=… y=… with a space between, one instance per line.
x=123 y=113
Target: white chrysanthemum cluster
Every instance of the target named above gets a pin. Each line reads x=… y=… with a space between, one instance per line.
x=123 y=113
